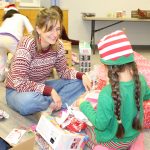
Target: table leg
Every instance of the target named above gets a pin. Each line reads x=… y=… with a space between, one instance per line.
x=92 y=43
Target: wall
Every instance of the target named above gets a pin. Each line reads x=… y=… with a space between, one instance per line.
x=138 y=32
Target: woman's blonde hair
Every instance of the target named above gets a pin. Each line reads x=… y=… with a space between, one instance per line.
x=46 y=19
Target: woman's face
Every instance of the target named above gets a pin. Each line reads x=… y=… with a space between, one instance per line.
x=49 y=37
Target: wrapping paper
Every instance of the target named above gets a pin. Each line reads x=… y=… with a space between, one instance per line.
x=143 y=65
x=146 y=106
x=75 y=125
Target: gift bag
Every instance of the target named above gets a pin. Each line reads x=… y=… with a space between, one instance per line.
x=100 y=84
x=99 y=147
x=146 y=107
x=139 y=143
x=143 y=65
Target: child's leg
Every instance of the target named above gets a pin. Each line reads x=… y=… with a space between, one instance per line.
x=92 y=143
x=3 y=60
x=7 y=44
x=92 y=137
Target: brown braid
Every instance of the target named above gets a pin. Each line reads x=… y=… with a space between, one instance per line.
x=113 y=74
x=114 y=81
x=136 y=122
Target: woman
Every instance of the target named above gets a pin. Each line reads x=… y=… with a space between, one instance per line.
x=11 y=31
x=27 y=88
x=64 y=35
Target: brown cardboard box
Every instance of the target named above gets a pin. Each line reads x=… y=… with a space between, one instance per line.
x=27 y=144
x=134 y=14
x=68 y=52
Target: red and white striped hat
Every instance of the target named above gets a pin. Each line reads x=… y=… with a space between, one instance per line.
x=10 y=7
x=115 y=49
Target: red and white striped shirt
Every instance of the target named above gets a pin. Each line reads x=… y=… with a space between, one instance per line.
x=30 y=69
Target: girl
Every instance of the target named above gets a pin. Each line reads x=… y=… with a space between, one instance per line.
x=11 y=31
x=27 y=88
x=117 y=121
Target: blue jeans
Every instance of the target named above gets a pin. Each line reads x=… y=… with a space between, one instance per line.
x=31 y=102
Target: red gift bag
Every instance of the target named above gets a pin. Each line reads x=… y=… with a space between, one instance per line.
x=146 y=106
x=143 y=65
x=139 y=143
x=100 y=84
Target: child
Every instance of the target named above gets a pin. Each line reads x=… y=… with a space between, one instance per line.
x=117 y=121
x=11 y=31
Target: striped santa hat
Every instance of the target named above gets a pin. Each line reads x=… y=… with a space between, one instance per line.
x=115 y=49
x=10 y=7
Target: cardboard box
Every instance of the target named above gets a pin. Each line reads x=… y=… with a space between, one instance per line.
x=57 y=137
x=68 y=52
x=84 y=48
x=26 y=143
x=146 y=13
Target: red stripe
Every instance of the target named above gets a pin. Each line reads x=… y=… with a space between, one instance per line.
x=10 y=5
x=116 y=50
x=113 y=43
x=114 y=35
x=117 y=145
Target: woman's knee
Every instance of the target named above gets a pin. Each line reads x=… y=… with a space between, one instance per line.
x=29 y=103
x=78 y=84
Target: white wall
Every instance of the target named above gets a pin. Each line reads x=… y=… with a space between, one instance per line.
x=138 y=32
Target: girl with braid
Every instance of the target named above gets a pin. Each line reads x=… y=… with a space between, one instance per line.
x=117 y=120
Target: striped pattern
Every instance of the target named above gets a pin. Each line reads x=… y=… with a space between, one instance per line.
x=111 y=145
x=29 y=69
x=114 y=45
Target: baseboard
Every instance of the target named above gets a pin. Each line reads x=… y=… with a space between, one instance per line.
x=136 y=46
x=141 y=46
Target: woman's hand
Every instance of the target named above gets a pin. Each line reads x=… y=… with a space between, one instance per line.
x=86 y=82
x=57 y=100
